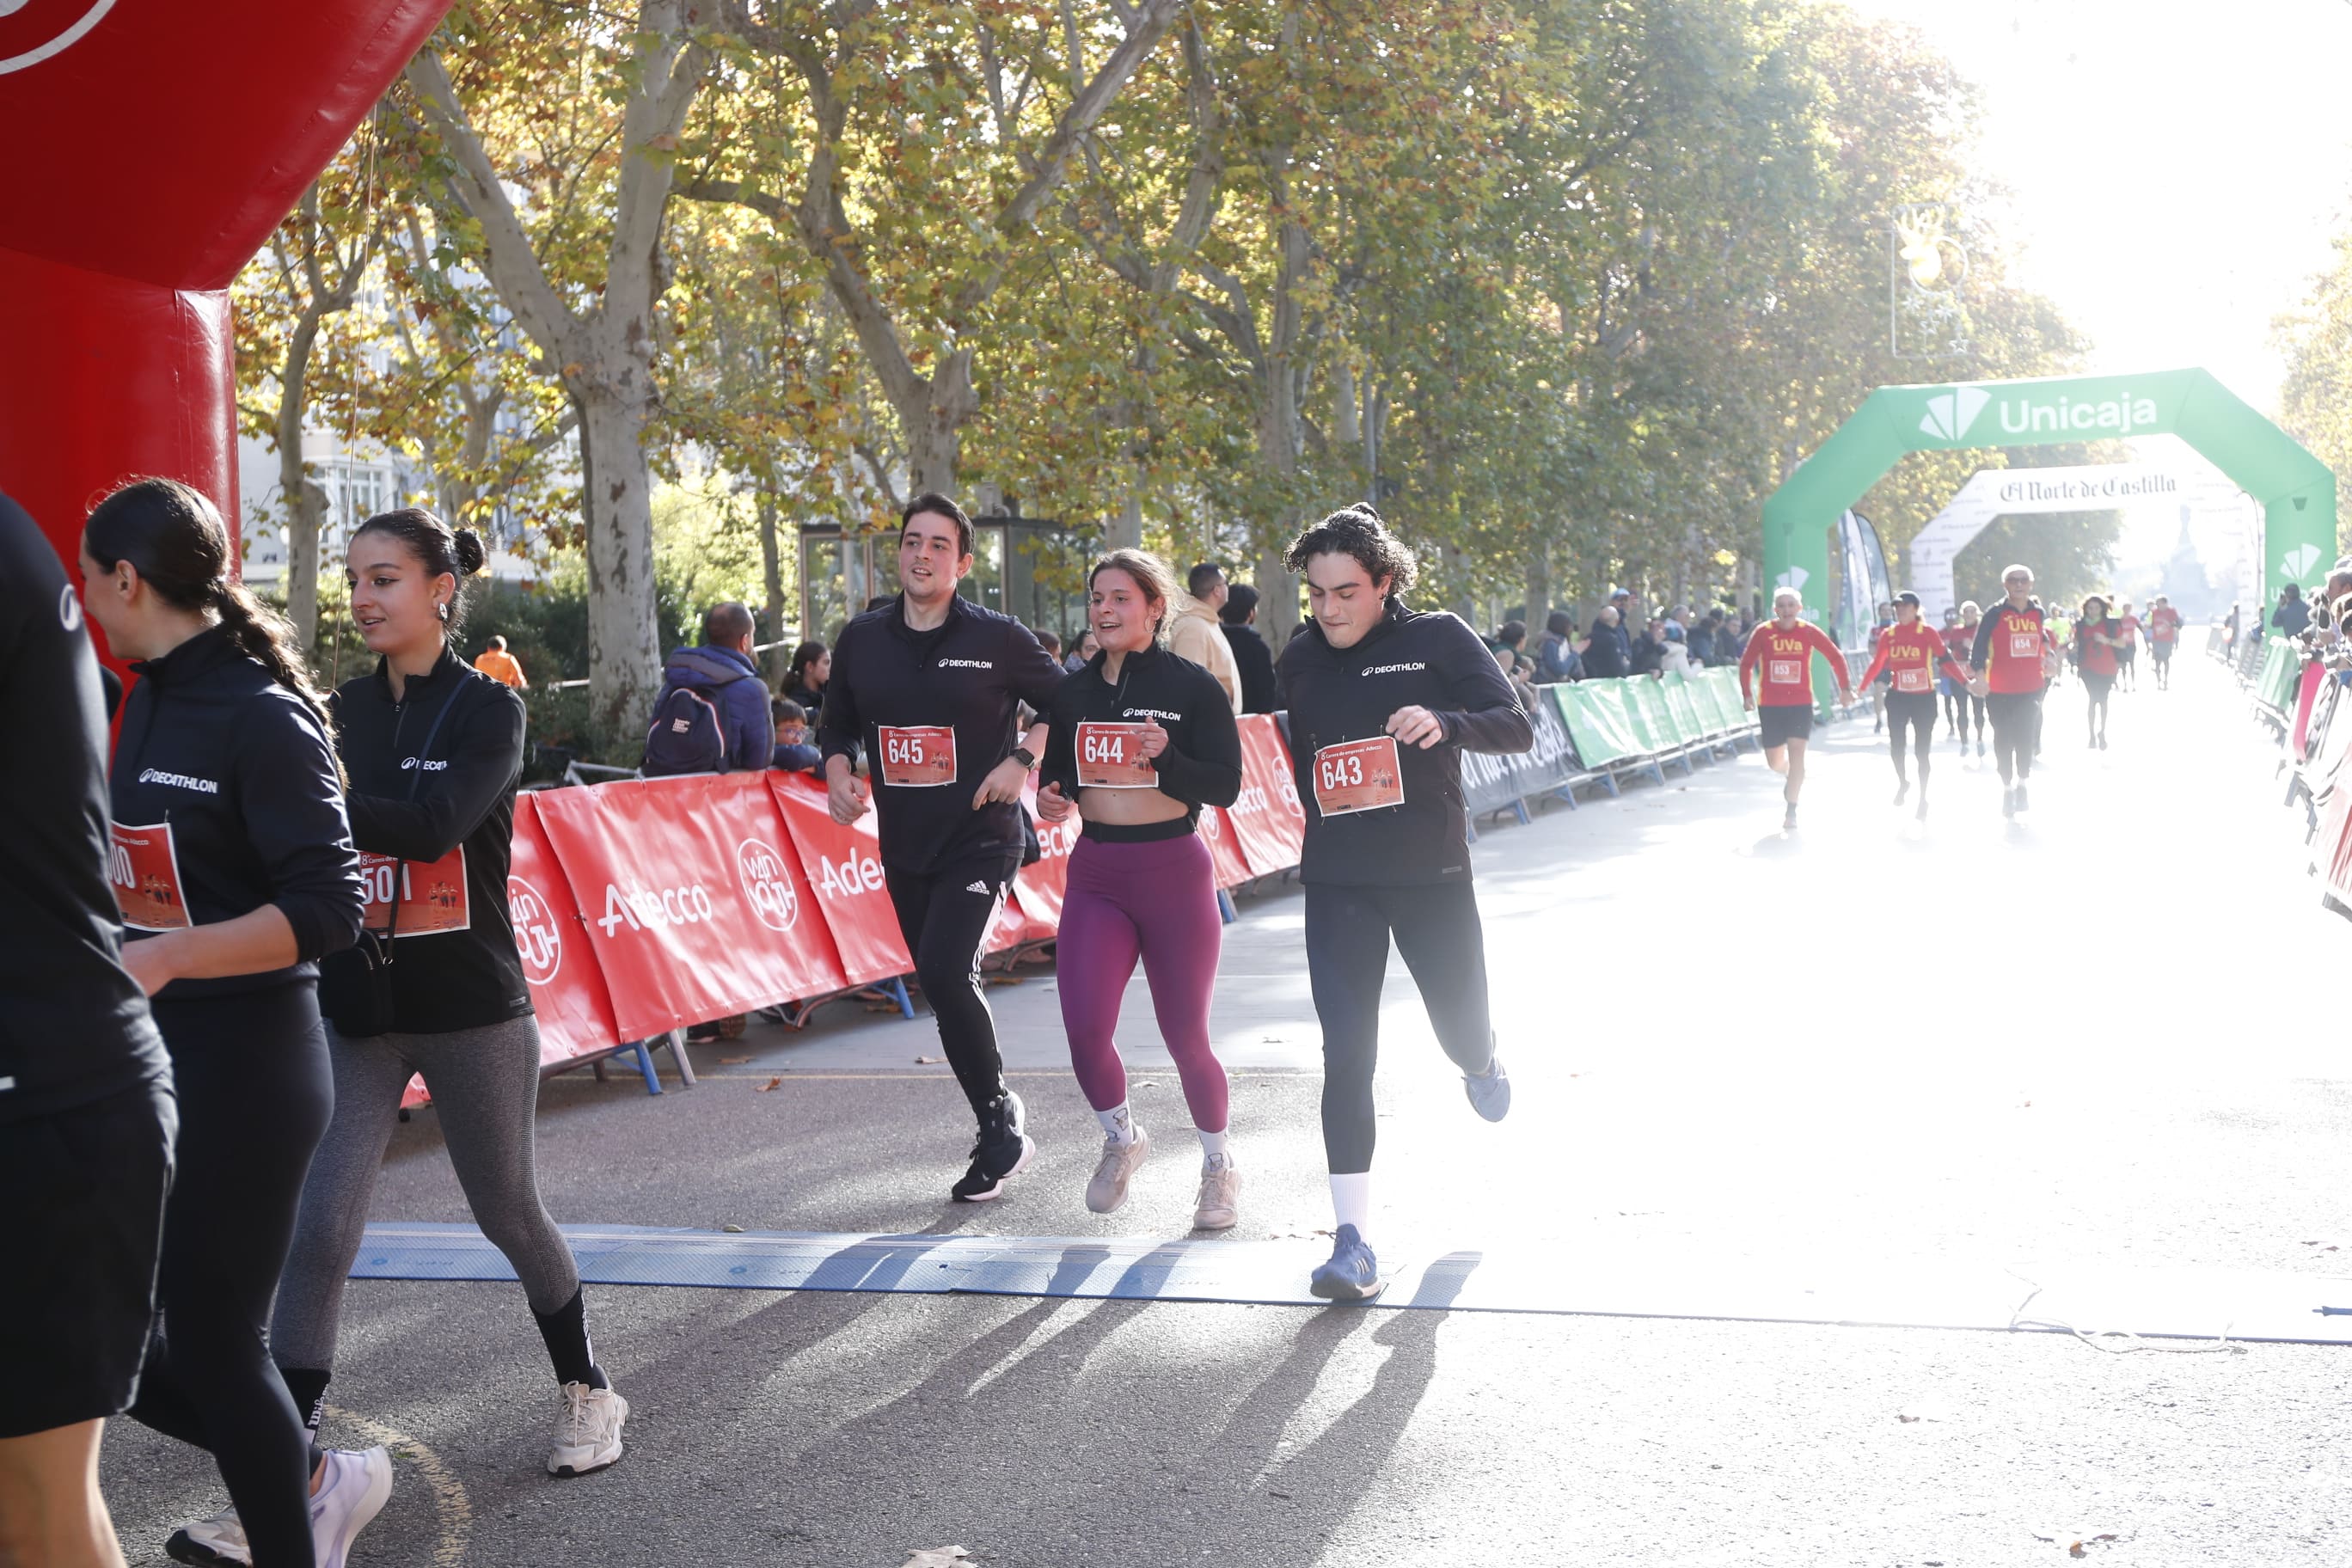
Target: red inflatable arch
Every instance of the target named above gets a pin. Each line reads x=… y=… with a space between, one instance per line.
x=147 y=148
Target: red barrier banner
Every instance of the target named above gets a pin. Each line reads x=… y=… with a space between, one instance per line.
x=842 y=866
x=686 y=888
x=1268 y=820
x=567 y=986
x=1039 y=889
x=2312 y=675
x=1224 y=849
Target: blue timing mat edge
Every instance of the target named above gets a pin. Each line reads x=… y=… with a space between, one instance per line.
x=2246 y=1305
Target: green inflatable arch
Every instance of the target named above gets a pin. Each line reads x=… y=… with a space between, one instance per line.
x=2297 y=491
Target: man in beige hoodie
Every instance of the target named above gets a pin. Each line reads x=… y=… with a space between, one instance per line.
x=1197 y=636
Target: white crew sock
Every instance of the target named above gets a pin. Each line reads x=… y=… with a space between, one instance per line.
x=1212 y=1151
x=1351 y=1201
x=1119 y=1124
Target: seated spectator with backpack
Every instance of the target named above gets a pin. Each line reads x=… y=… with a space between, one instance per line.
x=712 y=714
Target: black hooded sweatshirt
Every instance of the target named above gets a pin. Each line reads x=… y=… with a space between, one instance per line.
x=1203 y=763
x=464 y=978
x=1407 y=659
x=971 y=673
x=237 y=773
x=73 y=1027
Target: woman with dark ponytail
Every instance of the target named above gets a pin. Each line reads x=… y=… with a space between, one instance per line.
x=232 y=866
x=435 y=748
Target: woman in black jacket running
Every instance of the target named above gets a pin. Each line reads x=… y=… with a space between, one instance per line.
x=232 y=866
x=433 y=748
x=1383 y=701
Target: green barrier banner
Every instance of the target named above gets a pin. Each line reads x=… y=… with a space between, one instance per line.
x=1723 y=686
x=1602 y=736
x=1652 y=695
x=1689 y=723
x=1650 y=730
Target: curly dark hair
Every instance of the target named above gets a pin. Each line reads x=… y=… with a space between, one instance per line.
x=1358 y=530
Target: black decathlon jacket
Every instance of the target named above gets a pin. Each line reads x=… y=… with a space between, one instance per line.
x=456 y=833
x=1203 y=763
x=73 y=1027
x=1408 y=660
x=968 y=675
x=224 y=799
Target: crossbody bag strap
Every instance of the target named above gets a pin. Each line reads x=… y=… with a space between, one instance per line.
x=432 y=733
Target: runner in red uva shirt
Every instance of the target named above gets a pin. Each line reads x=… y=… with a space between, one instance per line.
x=2163 y=637
x=1913 y=653
x=1783 y=650
x=2127 y=646
x=2099 y=641
x=2012 y=658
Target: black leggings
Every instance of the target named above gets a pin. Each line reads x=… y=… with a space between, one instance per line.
x=1347 y=930
x=1913 y=710
x=2016 y=727
x=1957 y=705
x=254 y=1093
x=946 y=918
x=2100 y=687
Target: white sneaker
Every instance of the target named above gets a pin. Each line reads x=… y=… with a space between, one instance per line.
x=1219 y=1207
x=220 y=1539
x=587 y=1430
x=352 y=1489
x=1107 y=1190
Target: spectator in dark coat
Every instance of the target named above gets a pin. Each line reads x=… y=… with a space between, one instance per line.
x=1260 y=693
x=1556 y=655
x=1604 y=655
x=1702 y=640
x=2292 y=615
x=723 y=671
x=1649 y=650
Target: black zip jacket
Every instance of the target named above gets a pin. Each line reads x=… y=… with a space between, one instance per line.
x=971 y=673
x=73 y=1027
x=464 y=799
x=1203 y=763
x=241 y=772
x=1408 y=660
x=1261 y=692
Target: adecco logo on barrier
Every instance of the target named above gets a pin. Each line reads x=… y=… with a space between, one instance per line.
x=856 y=872
x=653 y=909
x=539 y=936
x=32 y=31
x=765 y=881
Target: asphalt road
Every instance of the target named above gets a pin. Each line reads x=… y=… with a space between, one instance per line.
x=2088 y=1038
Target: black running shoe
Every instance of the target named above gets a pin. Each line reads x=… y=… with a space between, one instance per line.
x=2020 y=795
x=1001 y=1152
x=2009 y=801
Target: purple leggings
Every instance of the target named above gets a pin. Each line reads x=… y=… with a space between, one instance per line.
x=1159 y=902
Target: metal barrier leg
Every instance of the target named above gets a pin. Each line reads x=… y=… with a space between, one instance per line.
x=677 y=1054
x=1225 y=907
x=643 y=1051
x=1568 y=794
x=1522 y=808
x=1609 y=778
x=1470 y=828
x=897 y=989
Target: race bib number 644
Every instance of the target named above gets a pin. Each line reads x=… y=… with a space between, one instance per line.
x=1110 y=756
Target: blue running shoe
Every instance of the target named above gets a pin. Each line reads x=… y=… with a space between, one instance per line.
x=1353 y=1274
x=1490 y=1096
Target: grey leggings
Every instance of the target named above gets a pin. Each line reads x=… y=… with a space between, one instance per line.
x=485 y=1085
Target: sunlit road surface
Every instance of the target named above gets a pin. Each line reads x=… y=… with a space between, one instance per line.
x=2094 y=1044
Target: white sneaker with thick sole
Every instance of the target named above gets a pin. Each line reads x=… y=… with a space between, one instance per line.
x=353 y=1489
x=1219 y=1206
x=220 y=1539
x=1107 y=1191
x=587 y=1430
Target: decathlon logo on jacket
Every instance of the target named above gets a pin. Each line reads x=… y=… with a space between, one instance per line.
x=1395 y=669
x=408 y=762
x=178 y=781
x=967 y=664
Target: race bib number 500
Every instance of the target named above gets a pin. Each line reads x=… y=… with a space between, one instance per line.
x=145 y=873
x=1358 y=776
x=1110 y=756
x=919 y=756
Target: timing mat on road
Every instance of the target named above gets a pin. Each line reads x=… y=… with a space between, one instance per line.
x=2174 y=1304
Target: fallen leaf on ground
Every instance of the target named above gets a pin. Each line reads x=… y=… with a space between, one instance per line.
x=732 y=1229
x=2076 y=1541
x=937 y=1557
x=1295 y=1234
x=928 y=1061
x=732 y=1061
x=1924 y=1413
x=771 y=1083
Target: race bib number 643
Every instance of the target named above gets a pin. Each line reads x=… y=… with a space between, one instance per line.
x=1358 y=776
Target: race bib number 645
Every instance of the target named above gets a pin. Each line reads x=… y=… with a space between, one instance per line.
x=918 y=756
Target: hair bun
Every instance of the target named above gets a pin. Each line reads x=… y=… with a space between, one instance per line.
x=471 y=556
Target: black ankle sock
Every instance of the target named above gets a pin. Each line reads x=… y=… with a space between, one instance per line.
x=565 y=1330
